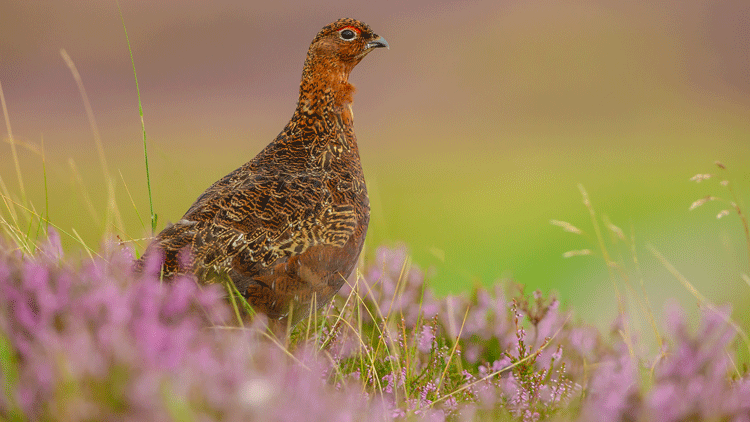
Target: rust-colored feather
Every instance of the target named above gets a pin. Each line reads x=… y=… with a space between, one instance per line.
x=288 y=226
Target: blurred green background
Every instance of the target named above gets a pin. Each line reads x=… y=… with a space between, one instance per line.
x=475 y=128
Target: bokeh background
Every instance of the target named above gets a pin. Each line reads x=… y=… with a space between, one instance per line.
x=475 y=128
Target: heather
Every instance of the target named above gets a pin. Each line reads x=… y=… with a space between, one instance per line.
x=86 y=339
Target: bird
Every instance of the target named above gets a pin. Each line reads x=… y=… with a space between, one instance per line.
x=288 y=226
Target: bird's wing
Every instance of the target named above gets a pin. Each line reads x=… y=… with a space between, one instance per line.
x=261 y=219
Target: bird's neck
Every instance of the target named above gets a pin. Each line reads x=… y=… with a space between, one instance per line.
x=322 y=126
x=325 y=87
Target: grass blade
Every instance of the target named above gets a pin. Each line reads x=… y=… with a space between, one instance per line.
x=143 y=124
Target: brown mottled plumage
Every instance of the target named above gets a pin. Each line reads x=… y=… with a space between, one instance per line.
x=288 y=226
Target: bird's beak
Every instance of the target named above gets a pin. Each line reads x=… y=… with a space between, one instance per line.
x=378 y=42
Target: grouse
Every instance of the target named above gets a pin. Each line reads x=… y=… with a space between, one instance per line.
x=287 y=227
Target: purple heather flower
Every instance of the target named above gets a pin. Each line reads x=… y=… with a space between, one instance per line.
x=583 y=340
x=692 y=379
x=426 y=338
x=613 y=390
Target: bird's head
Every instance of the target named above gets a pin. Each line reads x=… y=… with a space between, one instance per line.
x=345 y=42
x=333 y=53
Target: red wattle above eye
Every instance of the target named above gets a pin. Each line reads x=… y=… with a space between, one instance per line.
x=356 y=30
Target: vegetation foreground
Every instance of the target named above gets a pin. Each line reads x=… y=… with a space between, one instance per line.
x=93 y=341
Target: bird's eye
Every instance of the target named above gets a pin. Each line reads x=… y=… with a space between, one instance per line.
x=347 y=34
